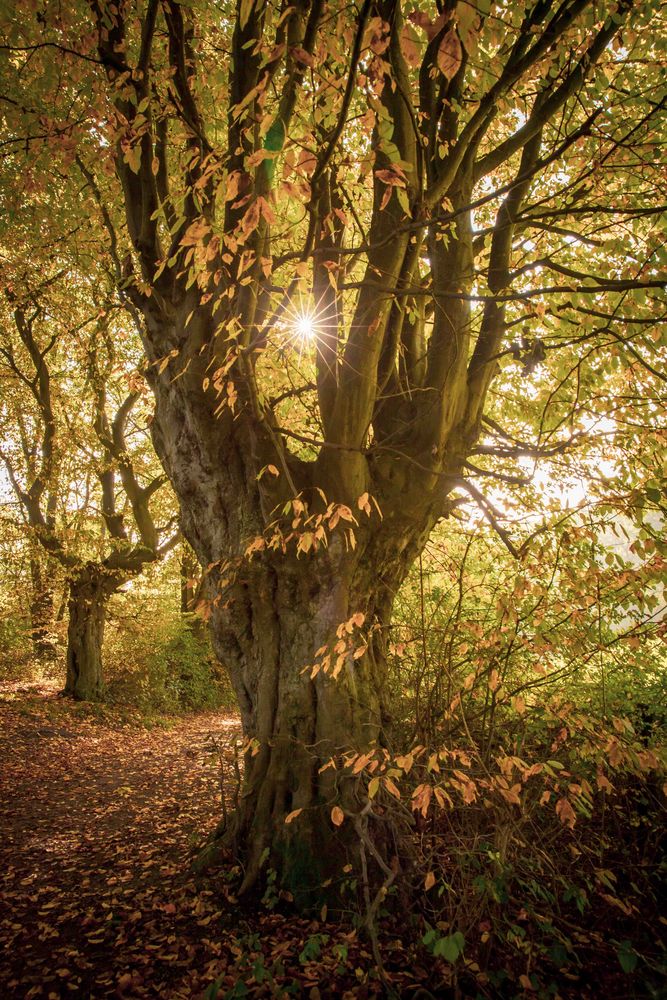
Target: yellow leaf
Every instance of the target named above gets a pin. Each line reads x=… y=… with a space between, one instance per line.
x=337 y=815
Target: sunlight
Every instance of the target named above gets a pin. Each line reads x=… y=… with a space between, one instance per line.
x=306 y=322
x=305 y=325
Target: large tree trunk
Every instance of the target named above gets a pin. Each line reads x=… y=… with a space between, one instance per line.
x=298 y=722
x=89 y=594
x=41 y=612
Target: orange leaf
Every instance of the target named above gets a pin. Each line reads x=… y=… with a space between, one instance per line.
x=337 y=815
x=292 y=815
x=429 y=881
x=391 y=787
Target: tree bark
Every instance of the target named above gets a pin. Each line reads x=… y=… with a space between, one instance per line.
x=41 y=612
x=191 y=586
x=89 y=594
x=296 y=715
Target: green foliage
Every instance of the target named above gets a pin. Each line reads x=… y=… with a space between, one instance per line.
x=529 y=707
x=157 y=658
x=449 y=947
x=15 y=648
x=313 y=948
x=178 y=673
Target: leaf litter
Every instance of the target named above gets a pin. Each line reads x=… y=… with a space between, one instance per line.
x=99 y=817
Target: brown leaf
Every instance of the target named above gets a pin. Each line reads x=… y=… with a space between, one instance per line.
x=450 y=53
x=566 y=813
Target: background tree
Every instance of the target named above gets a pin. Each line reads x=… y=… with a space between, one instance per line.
x=68 y=468
x=350 y=244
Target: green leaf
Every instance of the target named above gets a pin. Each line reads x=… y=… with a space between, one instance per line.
x=275 y=137
x=245 y=10
x=627 y=956
x=450 y=947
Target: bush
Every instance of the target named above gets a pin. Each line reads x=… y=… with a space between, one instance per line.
x=159 y=659
x=178 y=673
x=184 y=672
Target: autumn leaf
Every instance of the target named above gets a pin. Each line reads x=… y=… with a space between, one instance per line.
x=566 y=813
x=363 y=504
x=450 y=53
x=301 y=56
x=391 y=787
x=292 y=815
x=337 y=816
x=429 y=881
x=409 y=41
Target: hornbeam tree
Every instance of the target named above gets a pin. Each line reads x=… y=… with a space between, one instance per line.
x=350 y=229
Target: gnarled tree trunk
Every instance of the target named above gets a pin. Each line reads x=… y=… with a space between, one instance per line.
x=299 y=721
x=89 y=594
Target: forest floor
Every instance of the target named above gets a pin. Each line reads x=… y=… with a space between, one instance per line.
x=99 y=815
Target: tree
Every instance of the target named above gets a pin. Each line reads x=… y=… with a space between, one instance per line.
x=50 y=456
x=332 y=219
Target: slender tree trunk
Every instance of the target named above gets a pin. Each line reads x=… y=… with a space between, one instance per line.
x=89 y=594
x=190 y=592
x=41 y=612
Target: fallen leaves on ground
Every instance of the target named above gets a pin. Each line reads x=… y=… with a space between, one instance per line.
x=98 y=819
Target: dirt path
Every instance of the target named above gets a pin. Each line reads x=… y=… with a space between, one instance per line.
x=97 y=822
x=98 y=817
